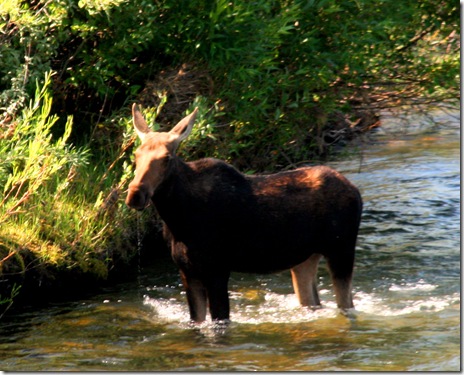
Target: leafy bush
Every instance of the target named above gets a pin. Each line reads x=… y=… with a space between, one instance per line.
x=277 y=68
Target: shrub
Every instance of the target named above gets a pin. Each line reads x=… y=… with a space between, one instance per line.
x=57 y=210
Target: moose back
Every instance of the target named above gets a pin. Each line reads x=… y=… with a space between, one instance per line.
x=220 y=220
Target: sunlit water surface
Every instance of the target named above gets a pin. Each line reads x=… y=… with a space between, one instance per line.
x=406 y=289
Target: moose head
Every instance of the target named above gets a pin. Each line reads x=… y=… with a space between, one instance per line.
x=153 y=157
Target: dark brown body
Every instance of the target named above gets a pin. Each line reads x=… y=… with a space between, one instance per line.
x=221 y=221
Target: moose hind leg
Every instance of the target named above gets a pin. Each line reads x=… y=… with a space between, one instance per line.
x=304 y=279
x=341 y=269
x=196 y=297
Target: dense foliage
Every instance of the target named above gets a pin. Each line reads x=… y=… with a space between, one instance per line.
x=277 y=82
x=271 y=72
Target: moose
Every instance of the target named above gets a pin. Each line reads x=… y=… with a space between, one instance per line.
x=221 y=221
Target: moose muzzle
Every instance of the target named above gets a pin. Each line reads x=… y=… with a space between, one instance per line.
x=138 y=197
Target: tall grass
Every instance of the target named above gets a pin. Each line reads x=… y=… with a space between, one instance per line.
x=57 y=208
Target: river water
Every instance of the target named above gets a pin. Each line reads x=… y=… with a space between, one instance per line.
x=406 y=288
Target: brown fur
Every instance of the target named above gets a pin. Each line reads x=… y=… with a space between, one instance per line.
x=221 y=221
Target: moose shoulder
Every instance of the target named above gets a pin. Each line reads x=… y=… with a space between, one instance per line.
x=221 y=220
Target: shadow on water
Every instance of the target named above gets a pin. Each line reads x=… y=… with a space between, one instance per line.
x=406 y=291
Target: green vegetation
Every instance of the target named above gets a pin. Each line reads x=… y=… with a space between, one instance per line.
x=58 y=211
x=277 y=83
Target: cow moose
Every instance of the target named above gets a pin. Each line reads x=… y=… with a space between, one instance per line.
x=220 y=220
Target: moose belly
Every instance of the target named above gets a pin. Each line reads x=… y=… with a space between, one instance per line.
x=268 y=258
x=266 y=251
x=267 y=263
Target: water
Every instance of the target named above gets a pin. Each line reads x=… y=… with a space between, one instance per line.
x=406 y=290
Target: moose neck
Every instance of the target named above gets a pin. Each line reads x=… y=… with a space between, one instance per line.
x=173 y=195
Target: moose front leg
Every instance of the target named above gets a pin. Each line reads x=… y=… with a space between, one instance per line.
x=218 y=296
x=196 y=297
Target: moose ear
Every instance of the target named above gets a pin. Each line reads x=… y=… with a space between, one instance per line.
x=184 y=127
x=140 y=124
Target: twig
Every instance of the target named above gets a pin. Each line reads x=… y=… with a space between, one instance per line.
x=7 y=257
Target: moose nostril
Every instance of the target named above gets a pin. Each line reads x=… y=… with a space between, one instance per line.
x=137 y=199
